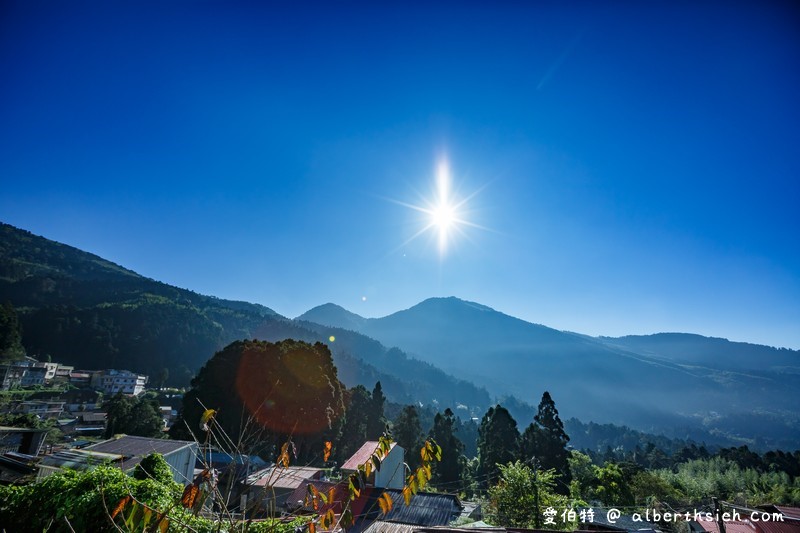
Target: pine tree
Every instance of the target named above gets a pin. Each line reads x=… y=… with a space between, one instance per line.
x=447 y=472
x=498 y=444
x=407 y=432
x=544 y=443
x=376 y=422
x=354 y=429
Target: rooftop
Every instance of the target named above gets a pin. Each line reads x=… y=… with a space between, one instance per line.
x=362 y=455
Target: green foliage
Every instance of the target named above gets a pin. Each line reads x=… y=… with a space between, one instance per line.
x=133 y=416
x=407 y=432
x=153 y=467
x=263 y=392
x=699 y=480
x=611 y=486
x=544 y=442
x=521 y=495
x=10 y=334
x=447 y=473
x=78 y=501
x=376 y=421
x=356 y=421
x=498 y=444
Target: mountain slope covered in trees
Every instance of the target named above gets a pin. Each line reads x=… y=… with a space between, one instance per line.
x=83 y=310
x=668 y=383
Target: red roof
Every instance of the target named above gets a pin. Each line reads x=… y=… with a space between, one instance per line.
x=730 y=526
x=362 y=455
x=791 y=512
x=748 y=526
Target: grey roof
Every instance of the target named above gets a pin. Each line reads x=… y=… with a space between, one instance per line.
x=379 y=526
x=79 y=459
x=425 y=509
x=134 y=449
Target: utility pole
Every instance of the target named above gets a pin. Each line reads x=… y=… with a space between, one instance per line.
x=538 y=515
x=718 y=513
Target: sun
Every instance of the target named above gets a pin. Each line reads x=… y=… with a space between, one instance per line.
x=445 y=212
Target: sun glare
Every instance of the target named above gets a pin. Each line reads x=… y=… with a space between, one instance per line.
x=444 y=210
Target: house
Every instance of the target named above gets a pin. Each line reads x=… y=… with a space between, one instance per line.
x=17 y=468
x=21 y=440
x=40 y=408
x=392 y=472
x=267 y=490
x=764 y=519
x=119 y=381
x=26 y=373
x=426 y=509
x=74 y=460
x=126 y=452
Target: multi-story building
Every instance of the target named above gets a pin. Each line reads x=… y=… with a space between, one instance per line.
x=123 y=381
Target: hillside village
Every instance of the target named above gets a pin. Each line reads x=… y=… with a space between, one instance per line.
x=262 y=487
x=126 y=410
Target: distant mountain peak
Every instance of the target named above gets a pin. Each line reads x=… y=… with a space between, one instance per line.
x=332 y=315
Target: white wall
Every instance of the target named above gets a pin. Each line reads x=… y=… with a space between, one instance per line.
x=392 y=473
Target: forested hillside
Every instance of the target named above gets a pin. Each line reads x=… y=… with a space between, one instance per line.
x=82 y=310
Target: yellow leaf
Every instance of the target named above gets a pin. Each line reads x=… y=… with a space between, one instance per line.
x=190 y=494
x=283 y=459
x=407 y=495
x=208 y=414
x=121 y=505
x=385 y=503
x=326 y=450
x=331 y=495
x=421 y=481
x=312 y=527
x=367 y=468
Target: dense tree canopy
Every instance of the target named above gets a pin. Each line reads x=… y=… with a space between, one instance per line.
x=521 y=495
x=10 y=334
x=407 y=432
x=498 y=444
x=447 y=473
x=264 y=393
x=544 y=443
x=133 y=416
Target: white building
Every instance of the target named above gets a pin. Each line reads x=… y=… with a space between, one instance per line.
x=392 y=472
x=113 y=381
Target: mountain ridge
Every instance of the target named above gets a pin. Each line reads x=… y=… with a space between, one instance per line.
x=85 y=311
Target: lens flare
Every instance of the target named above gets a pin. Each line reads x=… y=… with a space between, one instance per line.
x=445 y=212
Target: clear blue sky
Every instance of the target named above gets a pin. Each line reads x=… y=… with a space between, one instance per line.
x=634 y=167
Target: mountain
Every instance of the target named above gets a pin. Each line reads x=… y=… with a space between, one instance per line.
x=85 y=311
x=660 y=383
x=335 y=316
x=693 y=349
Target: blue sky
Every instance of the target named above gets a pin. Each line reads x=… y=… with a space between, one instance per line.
x=633 y=167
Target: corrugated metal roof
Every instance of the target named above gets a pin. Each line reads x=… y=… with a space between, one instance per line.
x=79 y=459
x=134 y=449
x=731 y=526
x=283 y=478
x=792 y=512
x=362 y=455
x=379 y=526
x=777 y=527
x=425 y=508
